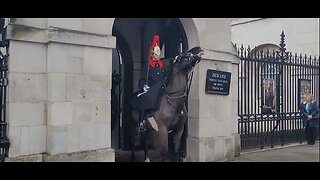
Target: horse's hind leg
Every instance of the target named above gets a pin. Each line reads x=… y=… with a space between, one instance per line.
x=133 y=138
x=133 y=158
x=134 y=135
x=145 y=146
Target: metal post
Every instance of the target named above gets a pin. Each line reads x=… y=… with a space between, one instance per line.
x=4 y=141
x=282 y=59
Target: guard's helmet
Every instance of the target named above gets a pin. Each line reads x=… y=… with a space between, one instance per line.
x=155 y=46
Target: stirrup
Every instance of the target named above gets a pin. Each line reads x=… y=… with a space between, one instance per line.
x=142 y=126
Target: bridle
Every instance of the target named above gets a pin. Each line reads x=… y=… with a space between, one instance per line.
x=179 y=59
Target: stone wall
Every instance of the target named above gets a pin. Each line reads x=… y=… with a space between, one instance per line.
x=213 y=118
x=60 y=82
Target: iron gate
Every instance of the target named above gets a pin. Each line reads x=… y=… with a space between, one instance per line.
x=4 y=46
x=271 y=84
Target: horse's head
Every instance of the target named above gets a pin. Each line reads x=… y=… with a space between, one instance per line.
x=197 y=53
x=187 y=61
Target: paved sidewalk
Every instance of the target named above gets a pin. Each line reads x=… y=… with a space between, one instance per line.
x=291 y=153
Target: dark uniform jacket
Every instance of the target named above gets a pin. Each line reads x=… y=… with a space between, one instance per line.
x=156 y=80
x=156 y=72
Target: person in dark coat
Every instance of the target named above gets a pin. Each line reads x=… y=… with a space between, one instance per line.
x=269 y=98
x=310 y=118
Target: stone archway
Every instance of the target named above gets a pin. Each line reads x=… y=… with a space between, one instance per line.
x=138 y=36
x=191 y=31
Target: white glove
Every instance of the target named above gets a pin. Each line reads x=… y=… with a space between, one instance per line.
x=309 y=116
x=146 y=88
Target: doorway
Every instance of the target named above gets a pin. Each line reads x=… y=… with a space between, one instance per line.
x=133 y=39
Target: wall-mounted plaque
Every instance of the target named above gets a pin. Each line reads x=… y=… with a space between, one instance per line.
x=218 y=82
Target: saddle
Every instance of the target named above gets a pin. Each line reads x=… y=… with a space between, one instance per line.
x=144 y=100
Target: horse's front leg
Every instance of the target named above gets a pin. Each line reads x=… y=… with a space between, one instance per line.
x=133 y=138
x=177 y=139
x=163 y=139
x=144 y=137
x=183 y=141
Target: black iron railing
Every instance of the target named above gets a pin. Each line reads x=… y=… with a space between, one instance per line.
x=271 y=86
x=4 y=47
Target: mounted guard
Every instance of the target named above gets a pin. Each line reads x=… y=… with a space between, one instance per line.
x=161 y=103
x=147 y=99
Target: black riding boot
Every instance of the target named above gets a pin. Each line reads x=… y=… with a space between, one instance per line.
x=142 y=123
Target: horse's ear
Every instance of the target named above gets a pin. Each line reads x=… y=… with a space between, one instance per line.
x=175 y=59
x=195 y=50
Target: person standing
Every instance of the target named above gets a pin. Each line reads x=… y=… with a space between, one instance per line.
x=310 y=118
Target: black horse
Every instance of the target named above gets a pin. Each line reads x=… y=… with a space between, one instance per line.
x=172 y=114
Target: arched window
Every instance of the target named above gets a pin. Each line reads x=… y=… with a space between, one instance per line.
x=268 y=75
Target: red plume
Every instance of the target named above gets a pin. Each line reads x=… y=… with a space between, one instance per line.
x=156 y=40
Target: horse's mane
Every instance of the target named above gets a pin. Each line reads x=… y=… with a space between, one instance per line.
x=171 y=64
x=169 y=73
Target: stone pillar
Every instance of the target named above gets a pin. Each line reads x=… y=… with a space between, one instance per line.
x=27 y=90
x=212 y=117
x=59 y=90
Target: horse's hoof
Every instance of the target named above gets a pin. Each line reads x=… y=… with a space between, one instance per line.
x=147 y=160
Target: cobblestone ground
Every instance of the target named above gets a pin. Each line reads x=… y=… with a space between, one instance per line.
x=125 y=156
x=291 y=153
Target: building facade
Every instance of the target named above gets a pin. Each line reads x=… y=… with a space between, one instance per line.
x=302 y=34
x=59 y=105
x=279 y=66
